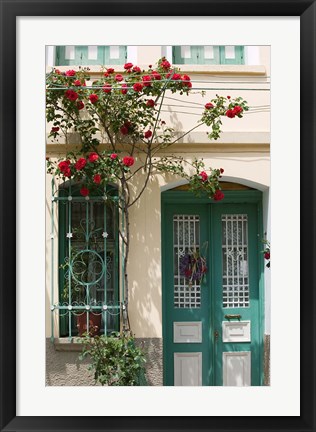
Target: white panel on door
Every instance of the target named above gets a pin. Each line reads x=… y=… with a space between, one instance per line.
x=229 y=52
x=70 y=52
x=237 y=369
x=186 y=51
x=92 y=52
x=236 y=331
x=187 y=332
x=114 y=52
x=188 y=369
x=208 y=52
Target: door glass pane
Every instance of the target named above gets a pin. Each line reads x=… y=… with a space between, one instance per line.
x=235 y=260
x=186 y=240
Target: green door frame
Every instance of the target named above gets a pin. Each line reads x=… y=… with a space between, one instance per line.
x=231 y=197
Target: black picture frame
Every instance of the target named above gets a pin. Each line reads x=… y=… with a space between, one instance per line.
x=306 y=10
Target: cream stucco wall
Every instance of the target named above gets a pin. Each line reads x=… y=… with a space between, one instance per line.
x=243 y=151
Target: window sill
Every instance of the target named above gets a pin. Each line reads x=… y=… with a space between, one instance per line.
x=64 y=344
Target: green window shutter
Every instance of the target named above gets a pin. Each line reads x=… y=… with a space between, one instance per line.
x=78 y=212
x=96 y=55
x=211 y=54
x=238 y=55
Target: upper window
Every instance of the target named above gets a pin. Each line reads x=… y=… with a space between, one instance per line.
x=90 y=55
x=208 y=54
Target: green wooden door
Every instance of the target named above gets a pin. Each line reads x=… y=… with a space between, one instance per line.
x=212 y=328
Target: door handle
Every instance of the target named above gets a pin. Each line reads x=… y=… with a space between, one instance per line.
x=229 y=317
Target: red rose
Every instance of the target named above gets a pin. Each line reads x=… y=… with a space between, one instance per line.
x=209 y=105
x=80 y=164
x=113 y=156
x=228 y=97
x=150 y=103
x=237 y=109
x=57 y=71
x=156 y=75
x=80 y=105
x=267 y=255
x=84 y=191
x=221 y=170
x=230 y=113
x=124 y=88
x=148 y=134
x=150 y=66
x=93 y=98
x=146 y=80
x=107 y=88
x=204 y=176
x=67 y=172
x=71 y=95
x=106 y=74
x=124 y=130
x=64 y=165
x=55 y=129
x=128 y=161
x=176 y=77
x=70 y=73
x=110 y=70
x=136 y=69
x=77 y=83
x=138 y=87
x=165 y=64
x=218 y=196
x=93 y=157
x=119 y=77
x=186 y=80
x=97 y=179
x=128 y=65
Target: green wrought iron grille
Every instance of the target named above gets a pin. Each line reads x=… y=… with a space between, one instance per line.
x=88 y=261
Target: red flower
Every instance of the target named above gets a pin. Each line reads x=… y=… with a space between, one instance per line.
x=176 y=77
x=70 y=73
x=106 y=74
x=156 y=75
x=209 y=105
x=218 y=196
x=237 y=109
x=93 y=157
x=267 y=255
x=204 y=176
x=57 y=71
x=124 y=88
x=55 y=129
x=150 y=103
x=71 y=95
x=186 y=81
x=93 y=98
x=228 y=97
x=84 y=191
x=113 y=156
x=230 y=113
x=138 y=87
x=128 y=161
x=110 y=70
x=221 y=170
x=128 y=65
x=67 y=172
x=124 y=130
x=77 y=83
x=146 y=80
x=107 y=88
x=97 y=179
x=80 y=105
x=136 y=69
x=119 y=77
x=64 y=165
x=80 y=164
x=165 y=64
x=148 y=134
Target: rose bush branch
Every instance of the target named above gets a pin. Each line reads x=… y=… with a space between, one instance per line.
x=123 y=112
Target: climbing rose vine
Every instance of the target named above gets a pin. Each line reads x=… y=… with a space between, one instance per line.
x=116 y=119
